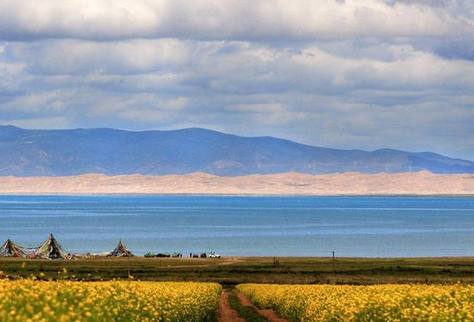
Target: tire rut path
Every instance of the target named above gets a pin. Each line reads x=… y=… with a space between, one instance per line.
x=226 y=313
x=268 y=314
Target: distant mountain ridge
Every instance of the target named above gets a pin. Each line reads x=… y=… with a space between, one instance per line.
x=116 y=152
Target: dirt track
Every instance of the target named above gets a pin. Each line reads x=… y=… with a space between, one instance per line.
x=270 y=315
x=226 y=313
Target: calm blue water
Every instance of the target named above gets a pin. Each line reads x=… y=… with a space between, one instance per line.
x=296 y=226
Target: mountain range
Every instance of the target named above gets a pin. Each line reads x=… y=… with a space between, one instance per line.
x=26 y=152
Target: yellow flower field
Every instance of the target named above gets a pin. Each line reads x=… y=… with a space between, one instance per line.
x=28 y=300
x=365 y=303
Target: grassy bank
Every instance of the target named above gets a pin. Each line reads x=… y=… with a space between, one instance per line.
x=250 y=270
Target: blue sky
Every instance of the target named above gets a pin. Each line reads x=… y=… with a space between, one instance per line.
x=348 y=74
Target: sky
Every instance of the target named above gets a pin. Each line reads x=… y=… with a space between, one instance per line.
x=363 y=74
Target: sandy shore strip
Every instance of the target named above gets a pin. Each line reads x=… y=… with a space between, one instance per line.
x=417 y=183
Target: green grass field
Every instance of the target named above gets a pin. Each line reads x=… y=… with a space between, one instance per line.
x=235 y=270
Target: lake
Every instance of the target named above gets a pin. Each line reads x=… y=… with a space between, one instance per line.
x=253 y=226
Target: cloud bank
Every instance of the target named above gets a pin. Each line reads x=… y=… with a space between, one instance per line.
x=228 y=19
x=348 y=74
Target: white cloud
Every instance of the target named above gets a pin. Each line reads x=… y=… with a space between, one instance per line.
x=225 y=19
x=78 y=56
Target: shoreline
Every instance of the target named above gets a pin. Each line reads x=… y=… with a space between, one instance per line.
x=164 y=194
x=224 y=258
x=423 y=184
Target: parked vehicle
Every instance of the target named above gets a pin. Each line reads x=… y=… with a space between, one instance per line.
x=213 y=255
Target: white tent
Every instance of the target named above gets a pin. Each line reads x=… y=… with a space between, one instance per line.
x=121 y=251
x=51 y=249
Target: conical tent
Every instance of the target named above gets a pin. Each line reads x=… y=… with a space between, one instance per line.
x=10 y=249
x=50 y=249
x=121 y=251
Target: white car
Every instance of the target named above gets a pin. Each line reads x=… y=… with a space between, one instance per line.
x=213 y=255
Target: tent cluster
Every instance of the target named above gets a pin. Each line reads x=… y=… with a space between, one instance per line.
x=51 y=249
